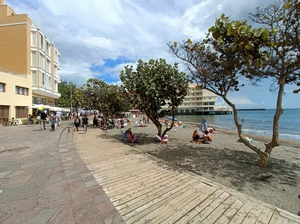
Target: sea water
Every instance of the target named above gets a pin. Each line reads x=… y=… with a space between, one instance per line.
x=257 y=122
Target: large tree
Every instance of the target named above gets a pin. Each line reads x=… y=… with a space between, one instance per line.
x=154 y=84
x=67 y=90
x=108 y=99
x=232 y=50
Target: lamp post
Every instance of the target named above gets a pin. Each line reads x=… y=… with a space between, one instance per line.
x=71 y=96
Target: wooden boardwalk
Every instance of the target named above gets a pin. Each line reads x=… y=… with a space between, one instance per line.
x=145 y=189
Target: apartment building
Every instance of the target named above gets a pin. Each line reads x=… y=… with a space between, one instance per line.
x=28 y=52
x=200 y=101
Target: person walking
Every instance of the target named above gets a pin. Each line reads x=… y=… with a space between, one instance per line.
x=85 y=122
x=77 y=122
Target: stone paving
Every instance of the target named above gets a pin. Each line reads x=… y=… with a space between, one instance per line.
x=44 y=180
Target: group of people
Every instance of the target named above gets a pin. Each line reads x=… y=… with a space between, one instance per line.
x=84 y=120
x=54 y=118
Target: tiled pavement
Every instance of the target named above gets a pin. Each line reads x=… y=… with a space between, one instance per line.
x=43 y=180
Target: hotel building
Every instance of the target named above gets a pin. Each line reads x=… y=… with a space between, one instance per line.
x=26 y=53
x=200 y=101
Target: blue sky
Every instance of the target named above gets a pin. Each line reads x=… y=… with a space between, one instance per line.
x=97 y=38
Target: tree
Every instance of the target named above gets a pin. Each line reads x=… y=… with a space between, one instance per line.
x=231 y=51
x=283 y=66
x=153 y=84
x=66 y=89
x=108 y=99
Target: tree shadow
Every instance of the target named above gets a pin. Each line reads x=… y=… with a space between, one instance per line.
x=239 y=167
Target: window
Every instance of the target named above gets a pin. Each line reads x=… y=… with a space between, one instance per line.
x=48 y=66
x=2 y=87
x=34 y=78
x=21 y=112
x=33 y=58
x=21 y=90
x=33 y=39
x=41 y=42
x=42 y=61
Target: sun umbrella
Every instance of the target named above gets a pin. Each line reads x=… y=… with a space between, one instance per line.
x=203 y=125
x=41 y=107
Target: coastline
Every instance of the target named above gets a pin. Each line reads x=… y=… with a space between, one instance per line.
x=228 y=162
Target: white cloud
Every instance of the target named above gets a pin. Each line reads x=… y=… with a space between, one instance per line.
x=88 y=33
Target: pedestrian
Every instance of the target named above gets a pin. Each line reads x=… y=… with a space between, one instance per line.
x=77 y=122
x=43 y=118
x=85 y=122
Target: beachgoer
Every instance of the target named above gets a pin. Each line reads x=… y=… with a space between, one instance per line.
x=129 y=132
x=207 y=138
x=196 y=137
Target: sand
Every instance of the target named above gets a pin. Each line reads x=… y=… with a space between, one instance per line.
x=229 y=162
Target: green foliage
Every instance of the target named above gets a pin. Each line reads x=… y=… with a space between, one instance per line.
x=65 y=89
x=283 y=66
x=153 y=84
x=108 y=99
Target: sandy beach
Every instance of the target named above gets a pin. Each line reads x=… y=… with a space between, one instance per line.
x=228 y=162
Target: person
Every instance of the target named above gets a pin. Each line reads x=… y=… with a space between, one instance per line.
x=130 y=136
x=77 y=122
x=207 y=138
x=30 y=119
x=43 y=117
x=129 y=132
x=85 y=122
x=53 y=121
x=196 y=137
x=95 y=121
x=58 y=116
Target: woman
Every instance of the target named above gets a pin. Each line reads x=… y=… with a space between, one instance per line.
x=196 y=136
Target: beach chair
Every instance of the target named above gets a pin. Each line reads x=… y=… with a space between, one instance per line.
x=124 y=138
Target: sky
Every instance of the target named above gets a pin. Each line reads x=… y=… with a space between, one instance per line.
x=98 y=38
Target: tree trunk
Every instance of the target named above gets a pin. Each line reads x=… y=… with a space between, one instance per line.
x=263 y=156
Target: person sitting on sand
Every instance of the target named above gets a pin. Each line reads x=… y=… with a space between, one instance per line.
x=211 y=130
x=207 y=138
x=196 y=137
x=129 y=132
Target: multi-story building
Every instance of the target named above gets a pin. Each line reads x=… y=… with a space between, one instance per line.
x=27 y=51
x=200 y=101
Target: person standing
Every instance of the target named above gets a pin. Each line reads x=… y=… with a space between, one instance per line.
x=85 y=122
x=58 y=116
x=43 y=117
x=77 y=122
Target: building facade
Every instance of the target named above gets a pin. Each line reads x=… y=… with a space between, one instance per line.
x=200 y=101
x=28 y=52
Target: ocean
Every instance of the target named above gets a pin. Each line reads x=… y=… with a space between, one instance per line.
x=257 y=122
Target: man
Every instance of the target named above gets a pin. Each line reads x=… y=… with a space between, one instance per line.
x=207 y=138
x=85 y=122
x=43 y=119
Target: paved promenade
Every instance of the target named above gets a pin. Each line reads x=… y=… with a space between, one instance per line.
x=45 y=179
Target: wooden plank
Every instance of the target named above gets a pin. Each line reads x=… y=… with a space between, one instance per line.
x=145 y=209
x=210 y=208
x=265 y=216
x=276 y=219
x=242 y=213
x=218 y=212
x=169 y=208
x=230 y=212
x=253 y=214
